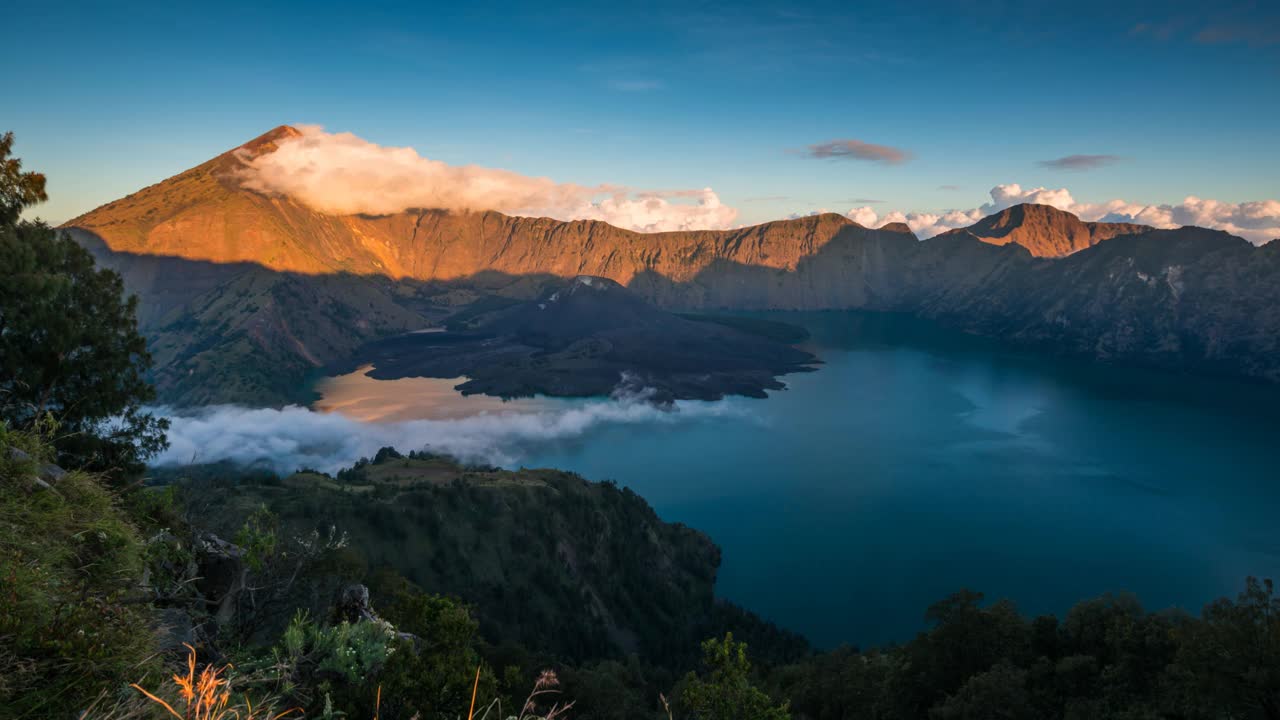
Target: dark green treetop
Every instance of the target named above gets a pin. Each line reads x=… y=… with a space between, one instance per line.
x=71 y=356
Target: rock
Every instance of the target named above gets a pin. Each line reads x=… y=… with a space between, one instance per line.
x=353 y=606
x=46 y=473
x=222 y=575
x=51 y=473
x=44 y=477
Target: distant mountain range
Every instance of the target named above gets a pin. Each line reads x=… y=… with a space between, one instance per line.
x=244 y=295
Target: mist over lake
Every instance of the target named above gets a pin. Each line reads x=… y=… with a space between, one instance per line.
x=918 y=461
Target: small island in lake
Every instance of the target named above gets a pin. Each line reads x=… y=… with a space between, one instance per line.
x=592 y=336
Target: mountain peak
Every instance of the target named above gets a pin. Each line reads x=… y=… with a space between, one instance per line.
x=1045 y=230
x=269 y=141
x=588 y=285
x=897 y=227
x=594 y=282
x=1023 y=213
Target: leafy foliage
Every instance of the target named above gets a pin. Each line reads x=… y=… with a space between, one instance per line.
x=18 y=190
x=1108 y=658
x=447 y=652
x=725 y=692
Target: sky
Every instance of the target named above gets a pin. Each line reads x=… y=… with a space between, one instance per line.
x=780 y=109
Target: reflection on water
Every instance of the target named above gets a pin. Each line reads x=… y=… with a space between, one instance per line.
x=359 y=396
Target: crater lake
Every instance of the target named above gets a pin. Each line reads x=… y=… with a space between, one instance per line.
x=918 y=461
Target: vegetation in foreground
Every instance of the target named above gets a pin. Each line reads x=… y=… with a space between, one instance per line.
x=108 y=587
x=106 y=591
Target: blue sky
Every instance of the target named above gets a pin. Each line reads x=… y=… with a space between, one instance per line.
x=107 y=98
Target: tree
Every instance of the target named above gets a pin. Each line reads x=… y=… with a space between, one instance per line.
x=726 y=692
x=997 y=694
x=18 y=190
x=1230 y=661
x=69 y=343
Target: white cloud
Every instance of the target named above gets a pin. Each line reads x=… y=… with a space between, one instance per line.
x=864 y=216
x=1004 y=196
x=1257 y=222
x=296 y=437
x=341 y=173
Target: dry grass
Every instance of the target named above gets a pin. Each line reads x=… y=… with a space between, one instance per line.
x=206 y=694
x=547 y=684
x=200 y=695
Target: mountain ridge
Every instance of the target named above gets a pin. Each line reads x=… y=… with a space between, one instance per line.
x=244 y=295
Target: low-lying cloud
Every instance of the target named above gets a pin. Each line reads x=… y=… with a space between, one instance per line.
x=1258 y=221
x=343 y=174
x=296 y=437
x=857 y=150
x=1079 y=162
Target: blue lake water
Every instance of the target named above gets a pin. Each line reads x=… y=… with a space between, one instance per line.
x=917 y=462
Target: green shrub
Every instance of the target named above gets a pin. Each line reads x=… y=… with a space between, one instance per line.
x=725 y=691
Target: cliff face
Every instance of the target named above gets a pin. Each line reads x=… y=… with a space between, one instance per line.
x=243 y=294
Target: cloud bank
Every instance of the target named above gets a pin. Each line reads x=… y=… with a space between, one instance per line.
x=858 y=150
x=341 y=173
x=1079 y=162
x=296 y=437
x=1258 y=221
